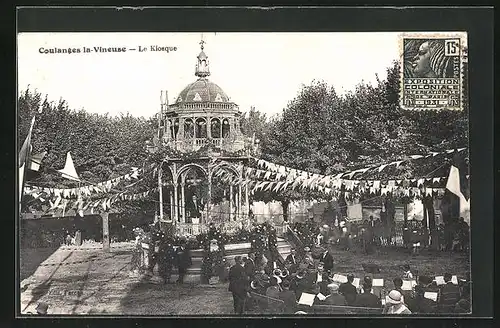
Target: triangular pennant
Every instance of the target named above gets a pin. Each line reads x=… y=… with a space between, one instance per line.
x=69 y=171
x=416 y=156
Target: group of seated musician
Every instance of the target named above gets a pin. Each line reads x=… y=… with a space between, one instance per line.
x=425 y=295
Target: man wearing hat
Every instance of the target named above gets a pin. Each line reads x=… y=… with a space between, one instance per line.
x=334 y=298
x=238 y=285
x=184 y=261
x=250 y=266
x=394 y=304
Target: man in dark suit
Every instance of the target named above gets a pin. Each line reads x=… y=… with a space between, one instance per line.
x=299 y=284
x=420 y=304
x=334 y=298
x=449 y=295
x=238 y=285
x=327 y=260
x=292 y=261
x=367 y=299
x=183 y=261
x=288 y=297
x=250 y=266
x=348 y=290
x=320 y=278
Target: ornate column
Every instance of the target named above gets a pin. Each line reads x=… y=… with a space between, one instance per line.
x=209 y=196
x=247 y=197
x=209 y=127
x=176 y=202
x=230 y=202
x=183 y=201
x=171 y=204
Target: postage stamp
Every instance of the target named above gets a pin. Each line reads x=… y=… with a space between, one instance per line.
x=432 y=70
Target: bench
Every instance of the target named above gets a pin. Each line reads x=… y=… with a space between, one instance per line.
x=338 y=309
x=265 y=304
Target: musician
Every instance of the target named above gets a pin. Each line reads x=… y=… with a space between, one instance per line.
x=348 y=290
x=288 y=297
x=420 y=304
x=320 y=278
x=327 y=260
x=367 y=298
x=250 y=266
x=449 y=295
x=184 y=261
x=260 y=282
x=407 y=272
x=299 y=284
x=316 y=289
x=334 y=298
x=292 y=262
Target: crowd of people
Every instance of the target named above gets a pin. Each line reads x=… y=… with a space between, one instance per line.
x=155 y=248
x=316 y=275
x=373 y=233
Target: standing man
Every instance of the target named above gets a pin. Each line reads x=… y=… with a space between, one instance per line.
x=292 y=262
x=348 y=290
x=183 y=261
x=250 y=267
x=238 y=285
x=166 y=260
x=327 y=260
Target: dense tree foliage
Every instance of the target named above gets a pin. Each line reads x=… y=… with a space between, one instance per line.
x=319 y=131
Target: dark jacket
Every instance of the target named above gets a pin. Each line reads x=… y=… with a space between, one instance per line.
x=420 y=304
x=449 y=296
x=367 y=300
x=327 y=260
x=349 y=291
x=250 y=269
x=183 y=258
x=288 y=297
x=335 y=299
x=299 y=286
x=237 y=280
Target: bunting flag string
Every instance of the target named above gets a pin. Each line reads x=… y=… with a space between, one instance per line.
x=294 y=173
x=88 y=190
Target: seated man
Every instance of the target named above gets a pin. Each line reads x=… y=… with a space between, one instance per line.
x=292 y=261
x=398 y=284
x=449 y=295
x=273 y=291
x=463 y=305
x=367 y=298
x=348 y=290
x=299 y=284
x=288 y=297
x=334 y=298
x=420 y=304
x=316 y=290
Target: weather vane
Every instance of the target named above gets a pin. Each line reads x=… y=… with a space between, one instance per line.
x=202 y=42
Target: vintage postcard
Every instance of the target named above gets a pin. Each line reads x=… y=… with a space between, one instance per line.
x=234 y=174
x=432 y=70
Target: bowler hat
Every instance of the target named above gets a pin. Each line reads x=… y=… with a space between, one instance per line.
x=394 y=297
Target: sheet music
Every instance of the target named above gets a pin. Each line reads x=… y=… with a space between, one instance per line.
x=440 y=280
x=378 y=283
x=431 y=295
x=321 y=297
x=307 y=299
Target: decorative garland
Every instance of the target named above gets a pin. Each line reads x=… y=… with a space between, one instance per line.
x=213 y=244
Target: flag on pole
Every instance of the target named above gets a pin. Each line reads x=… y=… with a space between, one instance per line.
x=36 y=161
x=69 y=171
x=24 y=154
x=456 y=184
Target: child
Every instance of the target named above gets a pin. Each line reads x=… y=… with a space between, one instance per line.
x=407 y=272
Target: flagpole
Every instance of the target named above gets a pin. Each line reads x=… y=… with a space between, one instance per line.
x=22 y=169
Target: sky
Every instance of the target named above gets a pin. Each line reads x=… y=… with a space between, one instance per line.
x=264 y=70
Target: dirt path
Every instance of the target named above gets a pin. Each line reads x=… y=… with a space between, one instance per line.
x=75 y=281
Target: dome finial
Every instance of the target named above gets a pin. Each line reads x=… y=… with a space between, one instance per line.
x=202 y=68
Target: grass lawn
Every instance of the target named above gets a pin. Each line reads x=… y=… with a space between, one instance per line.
x=77 y=281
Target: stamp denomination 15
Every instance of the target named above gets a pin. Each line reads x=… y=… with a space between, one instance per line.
x=432 y=71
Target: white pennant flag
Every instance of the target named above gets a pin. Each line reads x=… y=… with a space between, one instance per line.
x=416 y=156
x=69 y=171
x=434 y=180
